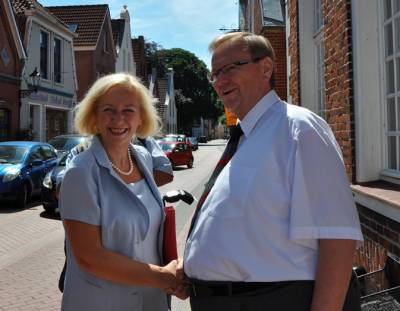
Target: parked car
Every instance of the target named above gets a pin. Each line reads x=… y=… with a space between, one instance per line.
x=64 y=143
x=179 y=153
x=202 y=139
x=23 y=166
x=176 y=138
x=194 y=142
x=49 y=198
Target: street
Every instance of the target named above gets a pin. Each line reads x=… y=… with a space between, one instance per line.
x=31 y=242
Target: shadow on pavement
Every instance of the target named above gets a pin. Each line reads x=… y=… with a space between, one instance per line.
x=180 y=168
x=48 y=215
x=218 y=143
x=9 y=207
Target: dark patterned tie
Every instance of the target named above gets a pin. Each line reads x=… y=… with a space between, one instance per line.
x=228 y=153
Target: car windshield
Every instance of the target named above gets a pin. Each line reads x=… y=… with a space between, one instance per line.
x=65 y=143
x=170 y=138
x=12 y=154
x=63 y=160
x=166 y=147
x=193 y=140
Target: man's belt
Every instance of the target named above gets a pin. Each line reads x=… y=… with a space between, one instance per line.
x=200 y=288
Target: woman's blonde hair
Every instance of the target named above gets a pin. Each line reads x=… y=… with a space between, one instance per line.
x=85 y=121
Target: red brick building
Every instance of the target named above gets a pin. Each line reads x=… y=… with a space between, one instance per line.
x=94 y=48
x=267 y=18
x=12 y=56
x=344 y=64
x=139 y=55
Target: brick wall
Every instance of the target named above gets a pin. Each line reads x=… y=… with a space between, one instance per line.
x=339 y=77
x=85 y=72
x=139 y=54
x=277 y=37
x=294 y=70
x=9 y=76
x=380 y=229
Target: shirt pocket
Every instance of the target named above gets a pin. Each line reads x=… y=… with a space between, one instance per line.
x=230 y=194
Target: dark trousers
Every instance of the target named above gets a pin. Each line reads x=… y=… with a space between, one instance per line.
x=291 y=296
x=294 y=296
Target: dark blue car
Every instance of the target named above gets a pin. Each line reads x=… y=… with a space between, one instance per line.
x=23 y=165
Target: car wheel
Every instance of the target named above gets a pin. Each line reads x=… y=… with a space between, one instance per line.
x=22 y=197
x=48 y=208
x=190 y=163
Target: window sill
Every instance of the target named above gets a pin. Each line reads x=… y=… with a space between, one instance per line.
x=380 y=196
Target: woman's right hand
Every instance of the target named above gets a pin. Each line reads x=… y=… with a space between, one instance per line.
x=179 y=289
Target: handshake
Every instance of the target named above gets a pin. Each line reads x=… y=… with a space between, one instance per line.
x=175 y=282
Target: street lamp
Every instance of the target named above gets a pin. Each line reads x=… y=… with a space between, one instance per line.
x=34 y=78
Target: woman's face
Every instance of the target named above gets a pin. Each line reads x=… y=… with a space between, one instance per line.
x=118 y=115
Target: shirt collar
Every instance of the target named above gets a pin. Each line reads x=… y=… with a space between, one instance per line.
x=250 y=120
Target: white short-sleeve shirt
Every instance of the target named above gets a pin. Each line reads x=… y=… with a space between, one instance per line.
x=284 y=189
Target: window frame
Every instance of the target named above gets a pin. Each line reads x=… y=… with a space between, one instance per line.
x=390 y=172
x=318 y=16
x=319 y=66
x=44 y=74
x=60 y=58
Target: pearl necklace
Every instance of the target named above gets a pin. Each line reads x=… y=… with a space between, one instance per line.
x=130 y=166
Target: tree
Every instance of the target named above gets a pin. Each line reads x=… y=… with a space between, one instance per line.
x=195 y=96
x=152 y=57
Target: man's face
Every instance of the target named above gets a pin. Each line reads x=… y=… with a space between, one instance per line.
x=240 y=81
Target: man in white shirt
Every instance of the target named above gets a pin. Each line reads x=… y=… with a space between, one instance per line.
x=278 y=229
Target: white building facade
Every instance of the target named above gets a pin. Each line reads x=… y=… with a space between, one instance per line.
x=49 y=46
x=125 y=59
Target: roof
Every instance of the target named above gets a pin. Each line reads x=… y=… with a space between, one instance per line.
x=11 y=18
x=20 y=6
x=88 y=18
x=118 y=29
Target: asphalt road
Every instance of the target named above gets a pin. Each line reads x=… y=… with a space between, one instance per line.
x=31 y=241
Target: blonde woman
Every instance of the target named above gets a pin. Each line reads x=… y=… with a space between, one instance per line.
x=111 y=208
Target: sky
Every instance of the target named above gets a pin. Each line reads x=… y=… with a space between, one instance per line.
x=186 y=24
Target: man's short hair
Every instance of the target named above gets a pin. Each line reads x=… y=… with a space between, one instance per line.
x=258 y=47
x=86 y=110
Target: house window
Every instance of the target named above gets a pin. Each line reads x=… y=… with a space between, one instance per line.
x=391 y=31
x=57 y=60
x=320 y=59
x=4 y=124
x=44 y=47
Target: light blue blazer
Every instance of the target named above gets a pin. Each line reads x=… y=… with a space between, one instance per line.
x=91 y=192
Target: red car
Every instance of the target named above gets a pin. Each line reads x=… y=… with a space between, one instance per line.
x=179 y=153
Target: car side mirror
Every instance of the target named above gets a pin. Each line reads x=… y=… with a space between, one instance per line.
x=36 y=162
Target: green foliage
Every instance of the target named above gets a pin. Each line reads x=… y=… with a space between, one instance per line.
x=195 y=96
x=222 y=119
